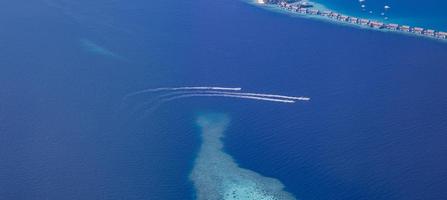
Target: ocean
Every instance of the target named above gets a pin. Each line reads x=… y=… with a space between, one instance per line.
x=374 y=128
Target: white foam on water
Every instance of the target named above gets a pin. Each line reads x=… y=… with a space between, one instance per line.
x=180 y=88
x=217 y=177
x=265 y=95
x=214 y=90
x=171 y=96
x=157 y=104
x=229 y=96
x=166 y=94
x=237 y=93
x=268 y=96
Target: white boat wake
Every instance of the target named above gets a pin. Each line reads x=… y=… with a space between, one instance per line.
x=179 y=88
x=228 y=95
x=160 y=96
x=266 y=95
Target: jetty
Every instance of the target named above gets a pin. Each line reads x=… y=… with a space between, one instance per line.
x=306 y=8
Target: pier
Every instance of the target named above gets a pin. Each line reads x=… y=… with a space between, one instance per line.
x=305 y=8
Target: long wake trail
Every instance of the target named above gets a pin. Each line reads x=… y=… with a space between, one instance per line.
x=261 y=95
x=273 y=96
x=228 y=95
x=166 y=94
x=181 y=88
x=257 y=96
x=166 y=100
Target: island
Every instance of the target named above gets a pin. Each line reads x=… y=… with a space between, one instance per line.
x=313 y=9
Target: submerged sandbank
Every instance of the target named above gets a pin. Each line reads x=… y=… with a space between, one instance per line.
x=216 y=176
x=94 y=48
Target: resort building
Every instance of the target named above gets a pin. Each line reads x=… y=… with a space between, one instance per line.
x=418 y=30
x=392 y=26
x=343 y=18
x=326 y=13
x=405 y=28
x=295 y=8
x=302 y=10
x=429 y=32
x=376 y=24
x=334 y=15
x=353 y=20
x=282 y=4
x=364 y=22
x=314 y=11
x=441 y=35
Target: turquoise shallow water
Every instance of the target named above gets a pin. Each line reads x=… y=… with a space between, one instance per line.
x=428 y=14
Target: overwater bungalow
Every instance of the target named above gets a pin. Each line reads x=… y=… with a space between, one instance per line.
x=343 y=18
x=364 y=22
x=418 y=30
x=376 y=24
x=441 y=35
x=302 y=10
x=353 y=20
x=392 y=26
x=295 y=8
x=334 y=15
x=405 y=28
x=429 y=32
x=313 y=11
x=326 y=13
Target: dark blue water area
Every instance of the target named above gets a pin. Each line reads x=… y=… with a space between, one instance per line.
x=428 y=14
x=65 y=131
x=373 y=130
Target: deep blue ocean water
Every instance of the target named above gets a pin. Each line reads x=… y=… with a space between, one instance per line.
x=375 y=128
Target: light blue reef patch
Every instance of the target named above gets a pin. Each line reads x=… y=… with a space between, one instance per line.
x=217 y=177
x=94 y=48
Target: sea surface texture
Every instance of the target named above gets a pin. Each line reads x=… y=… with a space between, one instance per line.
x=375 y=127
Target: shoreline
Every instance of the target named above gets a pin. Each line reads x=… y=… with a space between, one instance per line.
x=313 y=10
